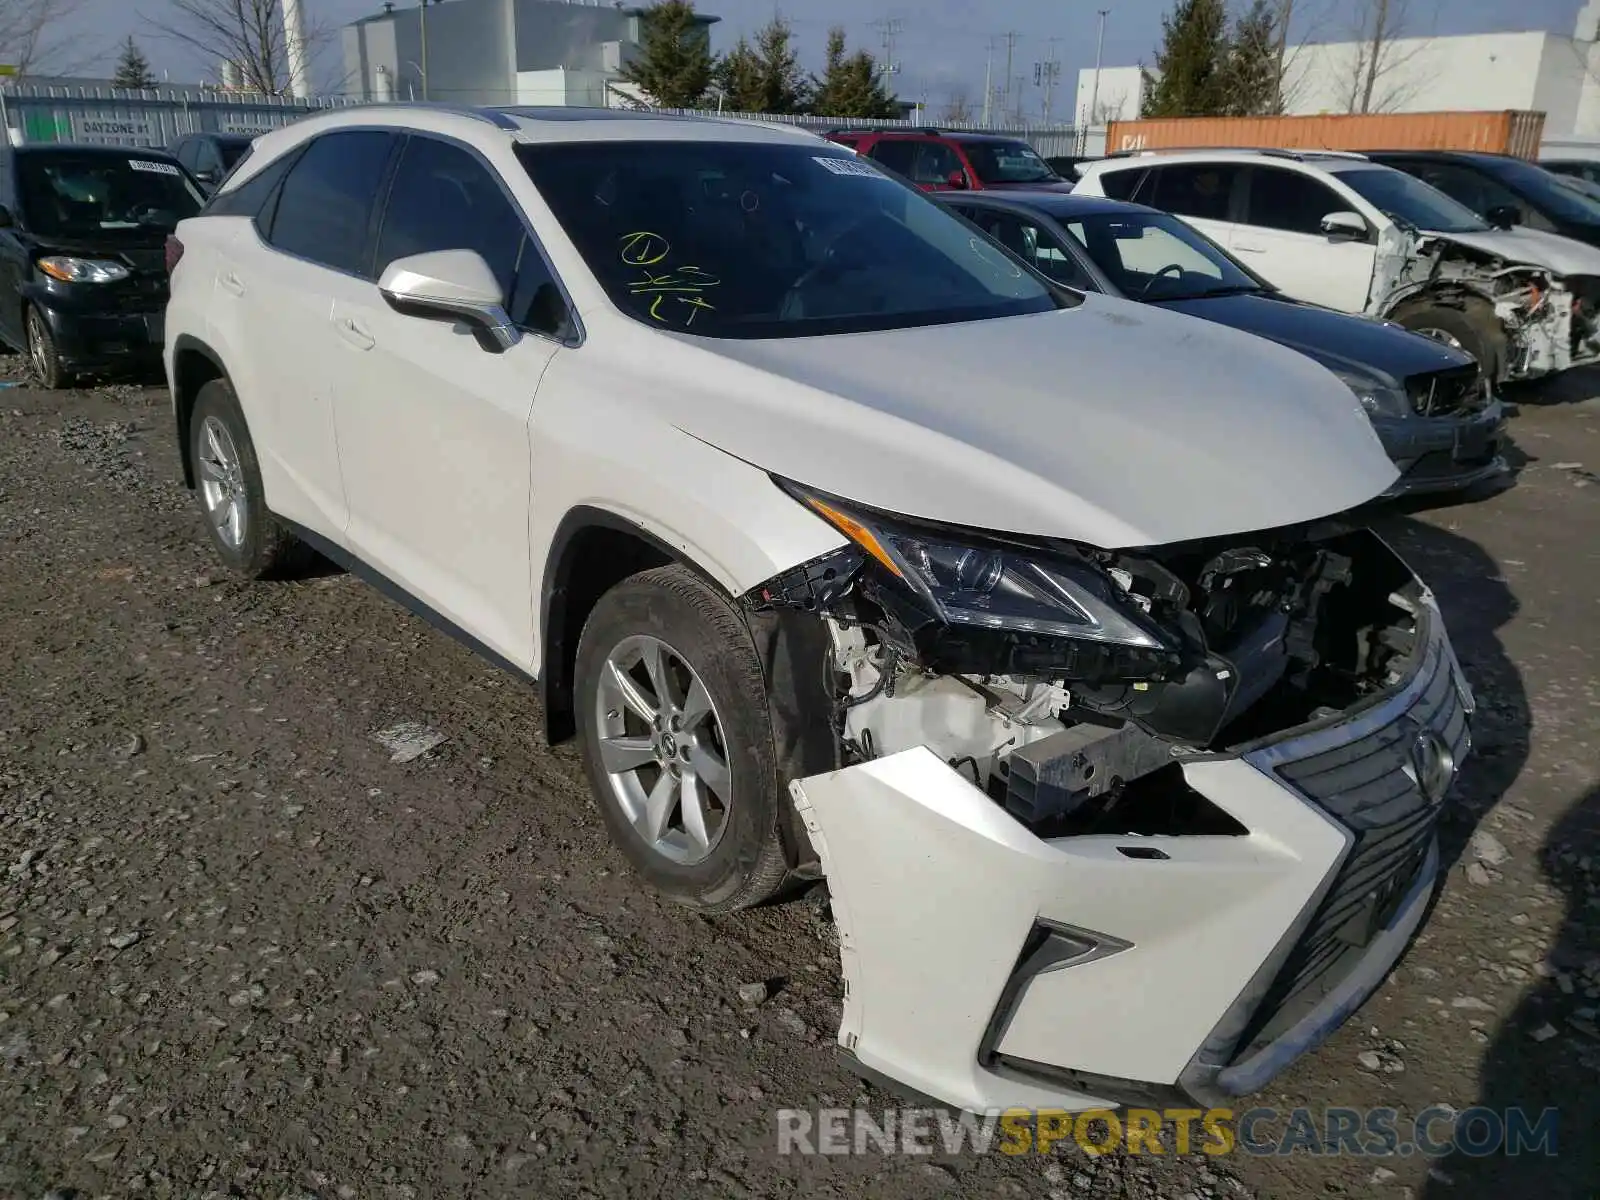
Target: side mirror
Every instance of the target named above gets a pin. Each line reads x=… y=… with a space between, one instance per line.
x=6 y=219
x=956 y=179
x=1345 y=227
x=451 y=285
x=1504 y=216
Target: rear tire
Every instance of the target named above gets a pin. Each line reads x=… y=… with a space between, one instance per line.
x=247 y=537
x=689 y=788
x=44 y=361
x=1470 y=325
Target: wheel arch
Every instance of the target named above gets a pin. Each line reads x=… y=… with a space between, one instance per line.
x=194 y=364
x=593 y=549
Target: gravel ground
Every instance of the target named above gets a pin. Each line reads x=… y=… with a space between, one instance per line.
x=244 y=951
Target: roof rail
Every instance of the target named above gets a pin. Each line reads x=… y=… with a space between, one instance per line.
x=497 y=119
x=1269 y=151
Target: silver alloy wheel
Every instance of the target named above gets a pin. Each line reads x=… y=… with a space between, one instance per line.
x=1442 y=335
x=38 y=345
x=222 y=483
x=661 y=743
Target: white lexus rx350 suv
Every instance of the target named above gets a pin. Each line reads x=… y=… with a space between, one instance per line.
x=849 y=547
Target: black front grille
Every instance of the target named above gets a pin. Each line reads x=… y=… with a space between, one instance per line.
x=1368 y=785
x=1446 y=393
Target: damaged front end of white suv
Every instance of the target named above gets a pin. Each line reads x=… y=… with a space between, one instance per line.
x=1549 y=318
x=1112 y=827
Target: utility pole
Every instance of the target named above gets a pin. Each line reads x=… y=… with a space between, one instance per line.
x=1045 y=74
x=988 y=82
x=1094 y=88
x=1011 y=45
x=887 y=28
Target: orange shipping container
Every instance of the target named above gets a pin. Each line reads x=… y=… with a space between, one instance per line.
x=1507 y=132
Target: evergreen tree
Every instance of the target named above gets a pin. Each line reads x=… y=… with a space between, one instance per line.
x=675 y=66
x=739 y=77
x=850 y=85
x=1193 y=61
x=766 y=77
x=1252 y=84
x=133 y=68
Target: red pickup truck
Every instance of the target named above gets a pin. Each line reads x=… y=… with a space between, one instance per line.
x=940 y=160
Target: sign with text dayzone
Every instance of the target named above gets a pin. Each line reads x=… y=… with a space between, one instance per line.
x=96 y=129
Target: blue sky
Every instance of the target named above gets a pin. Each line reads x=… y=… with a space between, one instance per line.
x=941 y=44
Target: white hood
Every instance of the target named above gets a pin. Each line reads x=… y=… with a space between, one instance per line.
x=1112 y=423
x=1563 y=255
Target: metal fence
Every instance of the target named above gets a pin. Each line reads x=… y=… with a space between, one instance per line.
x=38 y=112
x=116 y=117
x=1048 y=140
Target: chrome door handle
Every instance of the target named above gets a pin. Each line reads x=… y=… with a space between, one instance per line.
x=354 y=334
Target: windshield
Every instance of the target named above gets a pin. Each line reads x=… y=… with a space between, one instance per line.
x=1008 y=162
x=755 y=240
x=1544 y=191
x=81 y=195
x=1152 y=256
x=1406 y=199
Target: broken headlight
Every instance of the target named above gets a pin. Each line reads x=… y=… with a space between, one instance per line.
x=965 y=579
x=1379 y=399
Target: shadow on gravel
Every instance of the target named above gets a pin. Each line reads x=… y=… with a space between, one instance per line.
x=1570 y=387
x=1561 y=1067
x=1477 y=603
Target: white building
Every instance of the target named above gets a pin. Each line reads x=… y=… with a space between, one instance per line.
x=543 y=52
x=1556 y=75
x=1119 y=97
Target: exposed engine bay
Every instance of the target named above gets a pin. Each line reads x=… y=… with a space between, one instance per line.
x=1551 y=322
x=1186 y=652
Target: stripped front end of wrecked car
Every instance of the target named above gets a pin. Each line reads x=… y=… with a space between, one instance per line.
x=1111 y=827
x=1550 y=320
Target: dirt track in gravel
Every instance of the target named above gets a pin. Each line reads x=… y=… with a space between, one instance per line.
x=244 y=953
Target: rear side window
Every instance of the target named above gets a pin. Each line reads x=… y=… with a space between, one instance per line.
x=1119 y=185
x=898 y=154
x=444 y=198
x=1290 y=201
x=1201 y=190
x=252 y=197
x=326 y=203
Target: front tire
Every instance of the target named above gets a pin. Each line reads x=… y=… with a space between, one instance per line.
x=44 y=360
x=1471 y=326
x=247 y=537
x=677 y=740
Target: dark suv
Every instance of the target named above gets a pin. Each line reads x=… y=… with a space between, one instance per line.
x=210 y=156
x=83 y=230
x=1504 y=191
x=936 y=160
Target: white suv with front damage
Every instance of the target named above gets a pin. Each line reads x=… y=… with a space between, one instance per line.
x=849 y=547
x=1339 y=230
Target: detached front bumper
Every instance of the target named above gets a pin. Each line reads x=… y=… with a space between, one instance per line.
x=988 y=968
x=1444 y=454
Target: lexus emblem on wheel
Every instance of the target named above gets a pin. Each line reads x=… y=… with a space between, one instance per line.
x=1432 y=765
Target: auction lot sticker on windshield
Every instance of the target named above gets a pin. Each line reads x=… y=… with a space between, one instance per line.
x=850 y=166
x=155 y=168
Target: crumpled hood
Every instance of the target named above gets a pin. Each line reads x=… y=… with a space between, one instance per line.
x=1532 y=246
x=1110 y=423
x=1337 y=340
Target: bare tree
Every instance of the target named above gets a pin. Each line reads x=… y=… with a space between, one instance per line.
x=958 y=109
x=28 y=31
x=1381 y=26
x=246 y=33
